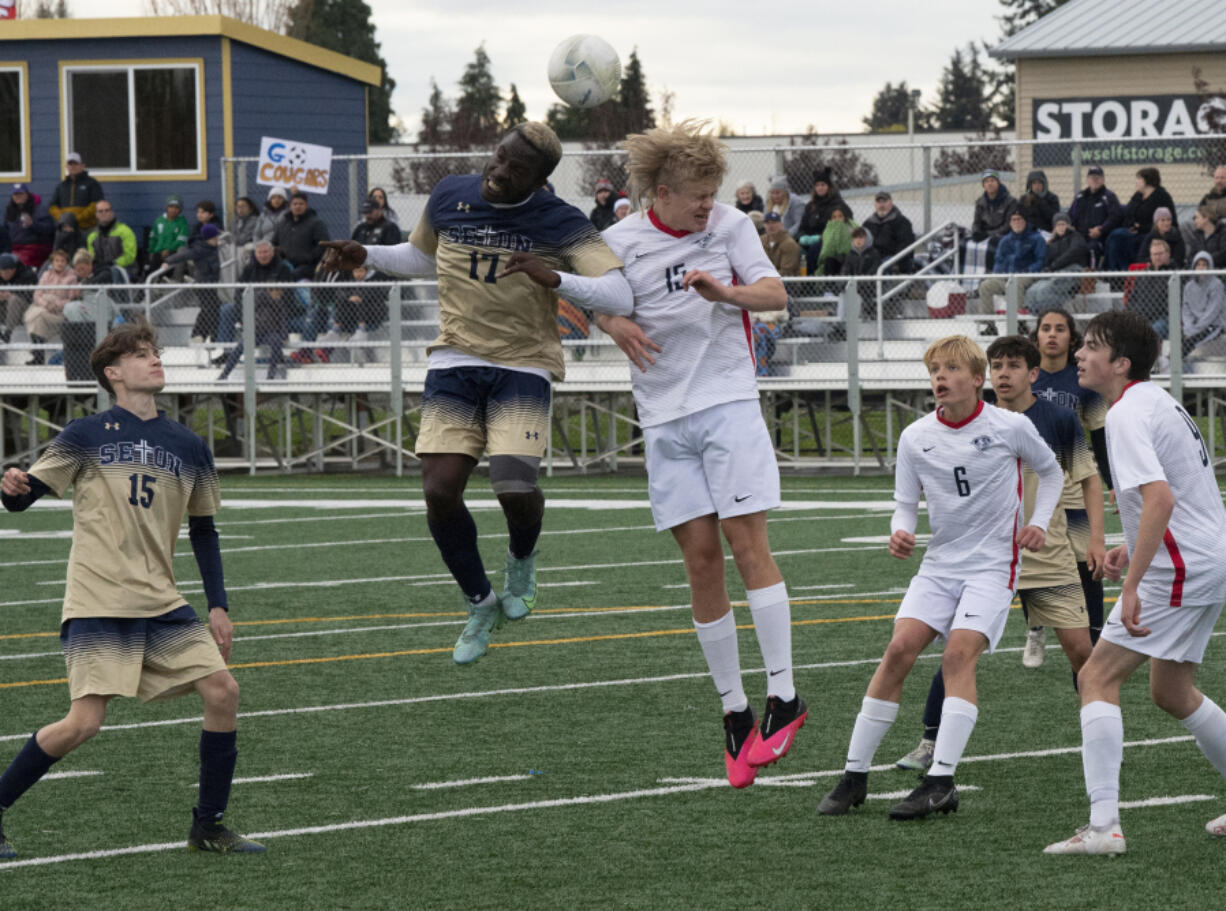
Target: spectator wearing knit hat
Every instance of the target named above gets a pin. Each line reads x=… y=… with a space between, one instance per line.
x=1067 y=251
x=602 y=215
x=992 y=212
x=169 y=232
x=274 y=210
x=825 y=201
x=1164 y=227
x=789 y=205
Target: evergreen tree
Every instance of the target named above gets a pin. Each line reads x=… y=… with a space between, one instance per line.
x=632 y=98
x=476 y=121
x=435 y=119
x=516 y=112
x=345 y=26
x=1020 y=13
x=889 y=113
x=1017 y=14
x=962 y=96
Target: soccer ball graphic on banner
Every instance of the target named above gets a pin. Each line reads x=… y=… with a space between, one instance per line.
x=584 y=71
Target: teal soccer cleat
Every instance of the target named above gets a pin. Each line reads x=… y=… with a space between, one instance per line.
x=474 y=641
x=519 y=589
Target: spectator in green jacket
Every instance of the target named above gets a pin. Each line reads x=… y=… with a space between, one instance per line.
x=169 y=232
x=111 y=243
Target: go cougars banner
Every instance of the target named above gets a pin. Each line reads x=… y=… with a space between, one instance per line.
x=297 y=165
x=1159 y=129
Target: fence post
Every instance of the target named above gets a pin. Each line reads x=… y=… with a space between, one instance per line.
x=1175 y=334
x=851 y=319
x=395 y=314
x=927 y=189
x=249 y=371
x=1076 y=159
x=354 y=215
x=779 y=163
x=1013 y=303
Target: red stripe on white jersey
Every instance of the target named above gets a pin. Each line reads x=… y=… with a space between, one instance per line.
x=1017 y=520
x=1181 y=571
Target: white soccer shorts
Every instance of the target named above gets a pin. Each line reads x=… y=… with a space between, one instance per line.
x=719 y=460
x=948 y=604
x=1176 y=633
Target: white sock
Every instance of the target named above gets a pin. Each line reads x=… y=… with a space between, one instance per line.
x=958 y=719
x=718 y=641
x=772 y=623
x=875 y=718
x=1102 y=752
x=1208 y=725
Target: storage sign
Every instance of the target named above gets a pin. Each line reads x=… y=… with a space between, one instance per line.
x=297 y=165
x=1160 y=129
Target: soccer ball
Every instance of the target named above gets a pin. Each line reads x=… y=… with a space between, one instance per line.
x=584 y=71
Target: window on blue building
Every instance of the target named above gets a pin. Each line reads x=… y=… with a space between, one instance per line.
x=135 y=119
x=13 y=131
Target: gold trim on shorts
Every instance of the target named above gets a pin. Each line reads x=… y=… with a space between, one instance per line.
x=517 y=427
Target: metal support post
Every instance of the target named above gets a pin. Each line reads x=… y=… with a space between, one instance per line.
x=851 y=315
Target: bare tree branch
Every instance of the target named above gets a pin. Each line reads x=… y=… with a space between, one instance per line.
x=270 y=14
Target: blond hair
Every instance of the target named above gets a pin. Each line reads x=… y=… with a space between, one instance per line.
x=670 y=156
x=960 y=350
x=544 y=140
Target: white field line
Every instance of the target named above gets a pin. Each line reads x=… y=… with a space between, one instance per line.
x=467 y=782
x=419 y=539
x=256 y=779
x=1165 y=801
x=78 y=774
x=333 y=583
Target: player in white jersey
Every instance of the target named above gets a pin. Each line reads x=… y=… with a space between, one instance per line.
x=966 y=459
x=697 y=268
x=1175 y=552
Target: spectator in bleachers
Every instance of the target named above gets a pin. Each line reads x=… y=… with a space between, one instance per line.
x=1021 y=252
x=6 y=245
x=781 y=249
x=1067 y=251
x=68 y=237
x=1208 y=236
x=111 y=244
x=825 y=201
x=205 y=259
x=835 y=243
x=1124 y=244
x=993 y=211
x=747 y=198
x=14 y=272
x=298 y=235
x=275 y=209
x=243 y=228
x=1215 y=199
x=1096 y=212
x=1039 y=204
x=375 y=229
x=1165 y=228
x=77 y=193
x=362 y=310
x=621 y=208
x=46 y=314
x=1203 y=312
x=891 y=232
x=83 y=265
x=380 y=197
x=789 y=205
x=206 y=214
x=169 y=232
x=863 y=258
x=1149 y=294
x=755 y=219
x=30 y=230
x=270 y=313
x=602 y=214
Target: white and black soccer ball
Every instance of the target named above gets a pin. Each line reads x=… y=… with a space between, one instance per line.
x=585 y=71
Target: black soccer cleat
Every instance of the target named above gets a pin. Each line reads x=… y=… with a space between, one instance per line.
x=7 y=851
x=850 y=792
x=934 y=795
x=215 y=837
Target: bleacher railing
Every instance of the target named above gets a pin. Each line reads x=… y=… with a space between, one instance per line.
x=840 y=373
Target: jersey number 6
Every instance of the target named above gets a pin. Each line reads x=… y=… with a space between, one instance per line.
x=964 y=486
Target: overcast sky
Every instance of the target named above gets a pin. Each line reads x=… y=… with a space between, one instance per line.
x=745 y=63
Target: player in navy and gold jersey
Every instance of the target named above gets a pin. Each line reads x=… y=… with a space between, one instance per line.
x=126 y=630
x=504 y=249
x=1057 y=338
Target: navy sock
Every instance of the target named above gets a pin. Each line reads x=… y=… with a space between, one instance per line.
x=1093 y=590
x=457 y=542
x=218 y=753
x=523 y=538
x=932 y=708
x=26 y=768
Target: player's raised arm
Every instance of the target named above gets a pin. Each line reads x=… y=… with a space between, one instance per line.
x=608 y=293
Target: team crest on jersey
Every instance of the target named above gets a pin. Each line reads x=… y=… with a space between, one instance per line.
x=705 y=239
x=981 y=443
